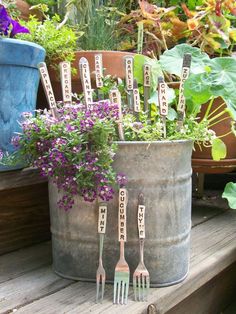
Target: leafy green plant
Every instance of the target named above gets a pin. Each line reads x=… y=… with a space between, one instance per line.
x=210 y=28
x=162 y=28
x=230 y=194
x=58 y=40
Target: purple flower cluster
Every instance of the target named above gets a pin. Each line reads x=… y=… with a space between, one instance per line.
x=121 y=179
x=8 y=26
x=1 y=154
x=71 y=150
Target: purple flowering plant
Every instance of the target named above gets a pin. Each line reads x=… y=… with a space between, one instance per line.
x=75 y=149
x=8 y=26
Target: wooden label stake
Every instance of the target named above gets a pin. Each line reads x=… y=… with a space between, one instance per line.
x=146 y=75
x=98 y=70
x=163 y=102
x=86 y=81
x=46 y=82
x=65 y=73
x=122 y=235
x=137 y=106
x=184 y=76
x=129 y=72
x=115 y=98
x=102 y=218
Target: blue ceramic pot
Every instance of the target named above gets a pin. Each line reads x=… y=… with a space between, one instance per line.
x=18 y=89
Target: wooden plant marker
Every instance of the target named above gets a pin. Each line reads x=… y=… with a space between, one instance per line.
x=129 y=79
x=46 y=82
x=123 y=200
x=163 y=102
x=141 y=217
x=115 y=98
x=86 y=81
x=102 y=218
x=146 y=87
x=184 y=75
x=99 y=74
x=136 y=100
x=65 y=74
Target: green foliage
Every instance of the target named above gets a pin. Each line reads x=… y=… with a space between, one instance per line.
x=218 y=149
x=230 y=194
x=171 y=60
x=59 y=43
x=219 y=79
x=49 y=3
x=100 y=31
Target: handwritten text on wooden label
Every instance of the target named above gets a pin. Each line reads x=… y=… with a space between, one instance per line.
x=47 y=85
x=65 y=71
x=146 y=75
x=129 y=75
x=181 y=103
x=98 y=70
x=86 y=80
x=115 y=98
x=137 y=107
x=141 y=221
x=163 y=100
x=122 y=215
x=102 y=219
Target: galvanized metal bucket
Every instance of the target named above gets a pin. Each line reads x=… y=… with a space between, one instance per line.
x=162 y=172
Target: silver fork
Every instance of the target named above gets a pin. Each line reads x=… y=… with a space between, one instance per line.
x=141 y=277
x=101 y=274
x=121 y=279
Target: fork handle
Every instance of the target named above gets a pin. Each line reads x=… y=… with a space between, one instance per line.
x=122 y=234
x=141 y=218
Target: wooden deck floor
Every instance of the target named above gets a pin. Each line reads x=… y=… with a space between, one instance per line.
x=28 y=284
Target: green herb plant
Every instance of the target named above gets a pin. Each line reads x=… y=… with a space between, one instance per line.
x=58 y=39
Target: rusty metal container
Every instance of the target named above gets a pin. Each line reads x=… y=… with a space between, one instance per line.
x=162 y=172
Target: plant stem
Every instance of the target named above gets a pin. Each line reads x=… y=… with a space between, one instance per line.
x=220 y=136
x=216 y=109
x=217 y=116
x=208 y=108
x=211 y=125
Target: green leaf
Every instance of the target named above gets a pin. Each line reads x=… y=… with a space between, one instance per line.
x=218 y=149
x=139 y=61
x=230 y=194
x=170 y=95
x=172 y=114
x=171 y=60
x=223 y=76
x=197 y=88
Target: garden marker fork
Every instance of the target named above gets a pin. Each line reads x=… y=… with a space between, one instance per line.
x=101 y=275
x=141 y=278
x=121 y=280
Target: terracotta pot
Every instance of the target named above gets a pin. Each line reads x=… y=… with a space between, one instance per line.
x=202 y=160
x=112 y=62
x=25 y=11
x=23 y=7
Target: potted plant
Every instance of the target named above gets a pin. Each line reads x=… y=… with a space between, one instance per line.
x=20 y=78
x=59 y=41
x=79 y=150
x=212 y=80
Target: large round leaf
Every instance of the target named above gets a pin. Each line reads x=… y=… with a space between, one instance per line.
x=218 y=149
x=197 y=89
x=223 y=76
x=230 y=194
x=171 y=60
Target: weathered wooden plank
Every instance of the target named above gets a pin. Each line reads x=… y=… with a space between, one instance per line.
x=28 y=287
x=213 y=250
x=20 y=178
x=213 y=297
x=19 y=262
x=24 y=217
